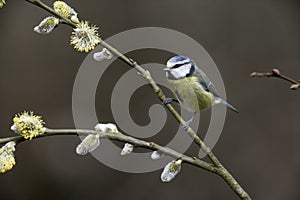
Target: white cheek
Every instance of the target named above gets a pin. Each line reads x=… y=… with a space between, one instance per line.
x=177 y=73
x=181 y=71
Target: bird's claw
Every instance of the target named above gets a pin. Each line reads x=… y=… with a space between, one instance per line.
x=169 y=100
x=186 y=125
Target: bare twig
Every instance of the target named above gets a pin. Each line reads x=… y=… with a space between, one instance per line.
x=276 y=73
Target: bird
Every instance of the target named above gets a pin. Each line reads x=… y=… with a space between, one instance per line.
x=191 y=86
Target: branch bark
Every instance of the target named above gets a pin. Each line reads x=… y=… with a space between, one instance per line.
x=122 y=138
x=276 y=73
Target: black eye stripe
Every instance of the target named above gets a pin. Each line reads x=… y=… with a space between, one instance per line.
x=192 y=70
x=179 y=65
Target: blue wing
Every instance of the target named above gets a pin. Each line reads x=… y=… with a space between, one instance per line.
x=209 y=87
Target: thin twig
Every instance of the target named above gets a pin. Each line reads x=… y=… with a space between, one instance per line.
x=276 y=73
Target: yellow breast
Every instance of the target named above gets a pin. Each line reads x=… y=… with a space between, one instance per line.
x=191 y=94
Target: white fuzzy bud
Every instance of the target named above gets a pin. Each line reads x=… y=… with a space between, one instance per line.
x=171 y=170
x=100 y=127
x=157 y=155
x=103 y=55
x=47 y=25
x=107 y=128
x=127 y=149
x=75 y=19
x=14 y=128
x=88 y=144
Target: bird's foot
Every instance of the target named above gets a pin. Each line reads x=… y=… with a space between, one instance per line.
x=186 y=125
x=169 y=100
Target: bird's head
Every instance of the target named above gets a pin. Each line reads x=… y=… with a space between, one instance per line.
x=179 y=67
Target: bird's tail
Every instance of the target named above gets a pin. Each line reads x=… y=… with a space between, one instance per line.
x=222 y=101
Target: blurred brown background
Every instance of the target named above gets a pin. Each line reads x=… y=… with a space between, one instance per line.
x=260 y=146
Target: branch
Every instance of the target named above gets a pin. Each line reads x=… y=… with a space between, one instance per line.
x=276 y=73
x=122 y=138
x=221 y=170
x=146 y=75
x=40 y=4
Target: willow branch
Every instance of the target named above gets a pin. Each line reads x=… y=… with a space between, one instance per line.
x=222 y=171
x=277 y=74
x=40 y=4
x=122 y=138
x=146 y=75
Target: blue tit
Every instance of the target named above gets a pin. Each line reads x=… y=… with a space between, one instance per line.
x=194 y=91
